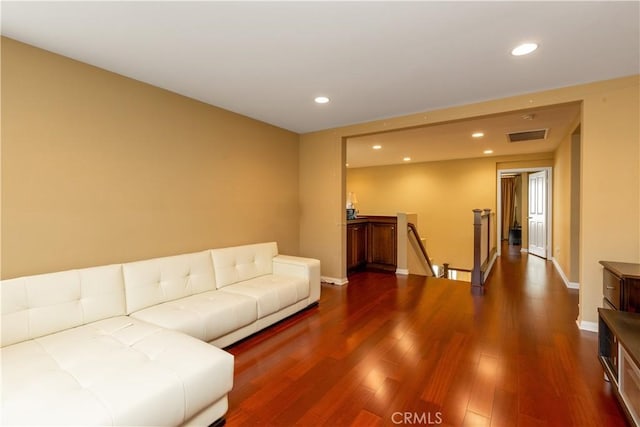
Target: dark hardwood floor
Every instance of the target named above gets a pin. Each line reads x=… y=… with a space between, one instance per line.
x=393 y=350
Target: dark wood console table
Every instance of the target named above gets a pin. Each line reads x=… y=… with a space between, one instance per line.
x=619 y=353
x=621 y=286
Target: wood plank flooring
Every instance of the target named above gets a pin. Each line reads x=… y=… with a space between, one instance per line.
x=390 y=350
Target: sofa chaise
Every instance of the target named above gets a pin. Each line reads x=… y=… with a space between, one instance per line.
x=139 y=344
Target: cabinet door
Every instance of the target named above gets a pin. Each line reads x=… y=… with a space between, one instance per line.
x=356 y=245
x=382 y=247
x=361 y=244
x=351 y=242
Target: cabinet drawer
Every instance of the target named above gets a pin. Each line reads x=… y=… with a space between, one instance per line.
x=611 y=288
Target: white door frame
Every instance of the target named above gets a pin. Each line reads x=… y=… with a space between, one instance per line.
x=549 y=215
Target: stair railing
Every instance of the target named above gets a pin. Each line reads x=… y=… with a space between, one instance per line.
x=412 y=229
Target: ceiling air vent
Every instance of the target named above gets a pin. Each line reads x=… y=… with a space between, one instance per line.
x=528 y=135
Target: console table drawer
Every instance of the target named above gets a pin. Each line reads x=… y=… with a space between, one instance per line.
x=611 y=288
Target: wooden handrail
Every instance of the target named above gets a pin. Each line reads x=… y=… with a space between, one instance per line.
x=411 y=227
x=446 y=268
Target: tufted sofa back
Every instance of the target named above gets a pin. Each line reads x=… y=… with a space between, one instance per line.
x=34 y=306
x=243 y=262
x=159 y=280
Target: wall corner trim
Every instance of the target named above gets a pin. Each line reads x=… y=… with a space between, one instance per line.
x=567 y=283
x=402 y=272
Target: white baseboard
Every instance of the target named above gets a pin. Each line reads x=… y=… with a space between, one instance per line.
x=524 y=250
x=567 y=283
x=402 y=271
x=334 y=280
x=587 y=326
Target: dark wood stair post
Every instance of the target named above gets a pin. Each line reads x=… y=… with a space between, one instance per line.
x=476 y=274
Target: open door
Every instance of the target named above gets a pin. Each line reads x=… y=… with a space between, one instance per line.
x=538 y=214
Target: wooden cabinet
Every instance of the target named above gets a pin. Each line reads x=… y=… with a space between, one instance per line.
x=382 y=243
x=372 y=243
x=357 y=240
x=621 y=286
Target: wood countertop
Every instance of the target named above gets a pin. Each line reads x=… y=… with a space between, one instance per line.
x=624 y=270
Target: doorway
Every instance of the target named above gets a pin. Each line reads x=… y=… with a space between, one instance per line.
x=522 y=205
x=536 y=218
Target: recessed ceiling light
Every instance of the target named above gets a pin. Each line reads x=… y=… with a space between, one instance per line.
x=477 y=134
x=524 y=49
x=407 y=159
x=321 y=99
x=488 y=151
x=377 y=147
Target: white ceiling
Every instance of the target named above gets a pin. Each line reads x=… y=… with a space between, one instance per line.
x=374 y=60
x=453 y=140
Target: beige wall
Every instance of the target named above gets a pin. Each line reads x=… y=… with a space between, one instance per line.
x=442 y=193
x=609 y=186
x=564 y=179
x=610 y=174
x=574 y=274
x=98 y=168
x=322 y=201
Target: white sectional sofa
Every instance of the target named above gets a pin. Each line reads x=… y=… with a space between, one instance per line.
x=136 y=344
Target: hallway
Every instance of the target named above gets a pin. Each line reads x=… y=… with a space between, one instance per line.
x=385 y=347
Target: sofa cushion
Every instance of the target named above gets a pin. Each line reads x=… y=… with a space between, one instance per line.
x=117 y=371
x=272 y=292
x=240 y=263
x=205 y=316
x=154 y=281
x=34 y=306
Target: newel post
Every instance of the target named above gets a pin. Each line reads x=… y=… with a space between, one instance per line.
x=476 y=275
x=487 y=213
